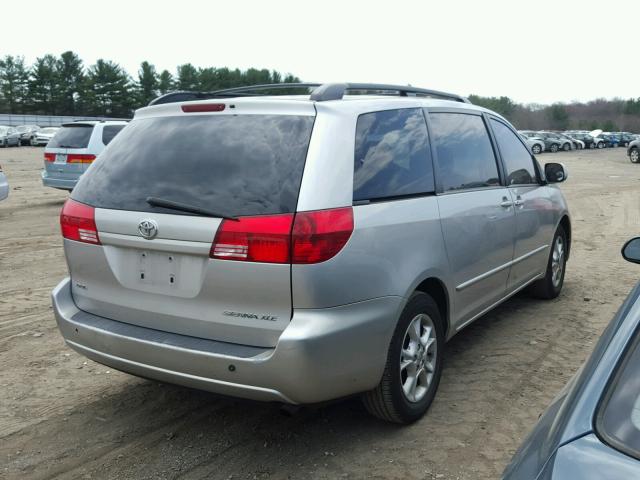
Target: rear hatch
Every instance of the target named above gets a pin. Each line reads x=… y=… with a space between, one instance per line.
x=171 y=176
x=66 y=156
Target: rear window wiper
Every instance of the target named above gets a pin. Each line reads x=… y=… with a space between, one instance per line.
x=183 y=207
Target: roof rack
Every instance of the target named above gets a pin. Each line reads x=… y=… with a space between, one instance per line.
x=321 y=92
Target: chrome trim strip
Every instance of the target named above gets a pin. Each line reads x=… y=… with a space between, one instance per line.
x=468 y=283
x=499 y=301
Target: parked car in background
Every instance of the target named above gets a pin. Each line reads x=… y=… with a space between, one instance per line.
x=222 y=243
x=9 y=137
x=564 y=143
x=535 y=144
x=74 y=148
x=592 y=429
x=42 y=136
x=626 y=138
x=26 y=131
x=4 y=185
x=584 y=137
x=633 y=151
x=575 y=143
x=552 y=143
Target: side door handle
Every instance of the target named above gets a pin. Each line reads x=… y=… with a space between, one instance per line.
x=518 y=202
x=506 y=203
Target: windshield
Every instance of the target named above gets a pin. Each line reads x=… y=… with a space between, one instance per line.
x=72 y=136
x=236 y=164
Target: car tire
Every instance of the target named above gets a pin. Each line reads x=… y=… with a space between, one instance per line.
x=550 y=285
x=536 y=149
x=600 y=145
x=398 y=398
x=554 y=148
x=634 y=155
x=566 y=147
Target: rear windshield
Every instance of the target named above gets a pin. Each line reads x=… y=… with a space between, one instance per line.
x=75 y=136
x=109 y=132
x=233 y=164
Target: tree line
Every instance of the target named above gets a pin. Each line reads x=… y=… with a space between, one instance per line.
x=64 y=85
x=609 y=115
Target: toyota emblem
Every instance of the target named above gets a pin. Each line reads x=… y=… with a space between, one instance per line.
x=148 y=229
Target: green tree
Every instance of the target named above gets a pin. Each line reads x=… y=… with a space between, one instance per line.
x=558 y=117
x=14 y=79
x=502 y=105
x=109 y=90
x=70 y=72
x=188 y=78
x=44 y=86
x=165 y=82
x=148 y=83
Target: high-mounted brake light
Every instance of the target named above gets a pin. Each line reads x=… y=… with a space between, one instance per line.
x=80 y=158
x=203 y=107
x=77 y=222
x=307 y=237
x=49 y=157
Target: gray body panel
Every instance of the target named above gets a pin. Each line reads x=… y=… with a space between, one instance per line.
x=318 y=313
x=4 y=186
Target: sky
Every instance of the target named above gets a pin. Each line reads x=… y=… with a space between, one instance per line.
x=534 y=52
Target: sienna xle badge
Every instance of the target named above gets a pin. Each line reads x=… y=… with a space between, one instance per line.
x=302 y=248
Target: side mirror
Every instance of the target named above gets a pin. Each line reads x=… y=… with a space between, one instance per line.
x=631 y=250
x=555 y=172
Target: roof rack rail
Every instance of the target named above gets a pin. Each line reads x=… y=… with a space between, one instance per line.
x=335 y=91
x=321 y=92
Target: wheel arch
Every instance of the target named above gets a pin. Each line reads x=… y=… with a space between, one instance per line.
x=436 y=288
x=565 y=223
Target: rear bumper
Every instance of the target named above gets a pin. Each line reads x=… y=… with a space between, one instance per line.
x=55 y=182
x=323 y=354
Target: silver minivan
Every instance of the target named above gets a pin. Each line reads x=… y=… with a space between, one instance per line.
x=303 y=248
x=73 y=148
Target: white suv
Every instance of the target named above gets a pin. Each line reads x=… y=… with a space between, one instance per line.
x=73 y=148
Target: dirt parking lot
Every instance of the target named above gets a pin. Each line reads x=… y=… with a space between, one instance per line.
x=63 y=416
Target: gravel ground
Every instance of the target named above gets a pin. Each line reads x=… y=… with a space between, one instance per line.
x=63 y=416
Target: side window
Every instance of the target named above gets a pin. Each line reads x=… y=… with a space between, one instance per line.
x=465 y=156
x=516 y=157
x=392 y=155
x=110 y=131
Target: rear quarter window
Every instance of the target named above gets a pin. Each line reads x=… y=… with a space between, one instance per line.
x=109 y=132
x=73 y=136
x=392 y=155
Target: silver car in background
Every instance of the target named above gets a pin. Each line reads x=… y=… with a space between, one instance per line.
x=304 y=248
x=41 y=137
x=9 y=137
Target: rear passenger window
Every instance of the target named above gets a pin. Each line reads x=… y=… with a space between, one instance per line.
x=392 y=156
x=465 y=156
x=110 y=131
x=516 y=157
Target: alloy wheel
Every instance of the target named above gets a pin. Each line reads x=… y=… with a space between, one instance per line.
x=418 y=357
x=557 y=261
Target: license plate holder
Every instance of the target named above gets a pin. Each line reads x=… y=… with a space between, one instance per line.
x=61 y=158
x=158 y=268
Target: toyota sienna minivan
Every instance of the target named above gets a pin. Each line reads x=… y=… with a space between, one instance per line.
x=303 y=248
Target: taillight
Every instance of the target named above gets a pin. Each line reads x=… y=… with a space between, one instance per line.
x=80 y=158
x=265 y=238
x=307 y=237
x=49 y=157
x=319 y=235
x=77 y=222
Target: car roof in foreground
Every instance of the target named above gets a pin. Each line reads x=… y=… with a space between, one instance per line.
x=303 y=105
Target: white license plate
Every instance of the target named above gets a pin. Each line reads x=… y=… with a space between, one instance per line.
x=60 y=158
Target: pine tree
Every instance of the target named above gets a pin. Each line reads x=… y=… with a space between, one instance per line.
x=70 y=72
x=109 y=90
x=148 y=83
x=14 y=79
x=44 y=86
